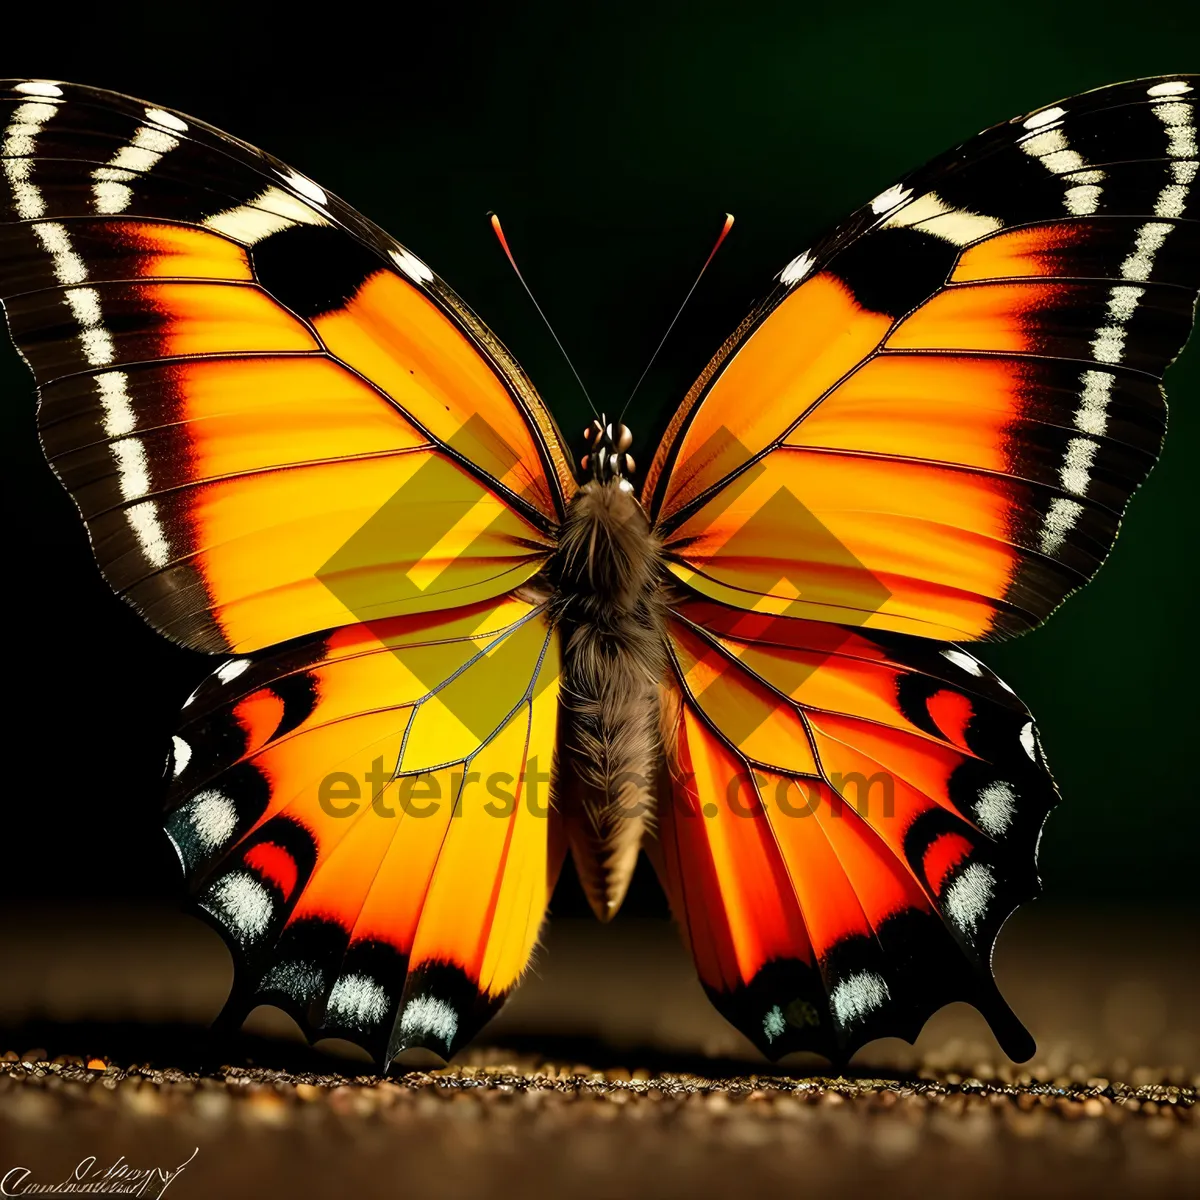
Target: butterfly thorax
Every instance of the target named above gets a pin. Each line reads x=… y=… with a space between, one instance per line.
x=607 y=576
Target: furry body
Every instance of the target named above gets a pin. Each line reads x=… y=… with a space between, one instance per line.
x=608 y=602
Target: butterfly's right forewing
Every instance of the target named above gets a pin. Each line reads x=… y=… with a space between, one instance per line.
x=936 y=418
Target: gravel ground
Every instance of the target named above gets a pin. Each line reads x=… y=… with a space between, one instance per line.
x=607 y=1076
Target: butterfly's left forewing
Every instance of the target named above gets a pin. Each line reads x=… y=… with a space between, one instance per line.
x=275 y=419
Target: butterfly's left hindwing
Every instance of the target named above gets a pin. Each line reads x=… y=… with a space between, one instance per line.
x=365 y=817
x=853 y=816
x=274 y=418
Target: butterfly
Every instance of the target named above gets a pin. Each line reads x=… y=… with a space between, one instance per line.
x=450 y=657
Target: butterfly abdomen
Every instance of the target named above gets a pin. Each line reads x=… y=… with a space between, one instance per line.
x=609 y=604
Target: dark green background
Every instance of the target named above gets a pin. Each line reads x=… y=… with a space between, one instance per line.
x=611 y=140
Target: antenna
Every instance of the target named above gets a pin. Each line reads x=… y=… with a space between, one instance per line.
x=711 y=255
x=495 y=220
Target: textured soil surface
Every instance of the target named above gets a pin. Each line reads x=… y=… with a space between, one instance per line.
x=607 y=1076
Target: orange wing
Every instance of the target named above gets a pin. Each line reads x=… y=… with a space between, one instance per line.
x=933 y=423
x=274 y=418
x=854 y=815
x=364 y=815
x=289 y=439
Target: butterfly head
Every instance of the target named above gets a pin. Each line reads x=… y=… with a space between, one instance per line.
x=607 y=458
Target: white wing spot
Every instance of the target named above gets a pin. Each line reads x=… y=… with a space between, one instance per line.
x=1123 y=301
x=427 y=1015
x=1083 y=199
x=411 y=265
x=169 y=120
x=774 y=1024
x=110 y=197
x=181 y=755
x=890 y=198
x=243 y=903
x=1172 y=200
x=38 y=87
x=995 y=807
x=1045 y=117
x=68 y=267
x=1181 y=133
x=118 y=416
x=1029 y=740
x=148 y=530
x=932 y=215
x=147 y=147
x=20 y=137
x=1147 y=243
x=97 y=346
x=965 y=661
x=1108 y=345
x=1174 y=87
x=858 y=995
x=229 y=671
x=299 y=979
x=1057 y=156
x=84 y=303
x=357 y=1001
x=305 y=186
x=271 y=211
x=1092 y=414
x=1051 y=148
x=133 y=468
x=968 y=897
x=797 y=269
x=1061 y=516
x=213 y=817
x=1075 y=472
x=139 y=155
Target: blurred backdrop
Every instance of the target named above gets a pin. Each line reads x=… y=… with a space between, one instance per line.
x=611 y=139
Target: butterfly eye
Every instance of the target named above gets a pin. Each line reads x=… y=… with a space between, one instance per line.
x=624 y=437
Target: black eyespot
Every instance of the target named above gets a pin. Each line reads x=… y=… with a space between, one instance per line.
x=313 y=269
x=891 y=271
